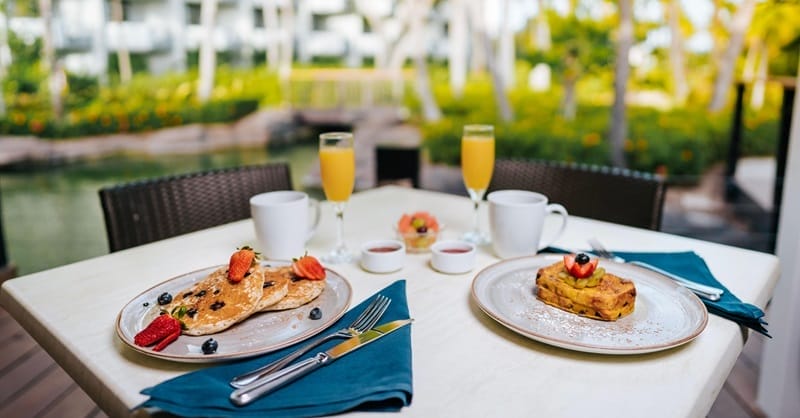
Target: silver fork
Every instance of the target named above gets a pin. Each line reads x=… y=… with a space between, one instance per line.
x=708 y=292
x=368 y=318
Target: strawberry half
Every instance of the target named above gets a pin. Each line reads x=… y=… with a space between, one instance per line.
x=308 y=267
x=163 y=326
x=240 y=263
x=578 y=270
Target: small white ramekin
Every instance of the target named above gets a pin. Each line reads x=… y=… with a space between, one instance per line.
x=453 y=256
x=383 y=256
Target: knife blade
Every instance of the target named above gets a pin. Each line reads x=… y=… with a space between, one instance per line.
x=280 y=378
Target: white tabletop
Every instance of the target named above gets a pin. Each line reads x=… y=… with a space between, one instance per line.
x=464 y=363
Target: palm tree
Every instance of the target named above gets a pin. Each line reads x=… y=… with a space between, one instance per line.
x=677 y=53
x=619 y=120
x=484 y=43
x=727 y=63
x=208 y=53
x=56 y=76
x=457 y=43
x=123 y=57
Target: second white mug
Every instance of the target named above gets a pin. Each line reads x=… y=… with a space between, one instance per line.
x=516 y=219
x=284 y=221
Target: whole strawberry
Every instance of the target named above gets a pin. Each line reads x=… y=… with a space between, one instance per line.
x=240 y=263
x=159 y=329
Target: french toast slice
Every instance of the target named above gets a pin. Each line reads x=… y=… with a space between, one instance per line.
x=613 y=297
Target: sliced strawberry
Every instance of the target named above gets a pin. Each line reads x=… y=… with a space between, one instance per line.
x=240 y=263
x=569 y=261
x=308 y=267
x=582 y=271
x=158 y=329
x=167 y=340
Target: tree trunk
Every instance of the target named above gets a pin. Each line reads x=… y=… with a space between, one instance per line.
x=287 y=41
x=123 y=57
x=542 y=31
x=506 y=53
x=208 y=52
x=430 y=109
x=759 y=84
x=457 y=53
x=269 y=13
x=3 y=48
x=677 y=55
x=479 y=28
x=716 y=26
x=55 y=73
x=727 y=63
x=478 y=58
x=619 y=120
x=572 y=70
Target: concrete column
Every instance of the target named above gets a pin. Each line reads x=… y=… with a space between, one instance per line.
x=779 y=382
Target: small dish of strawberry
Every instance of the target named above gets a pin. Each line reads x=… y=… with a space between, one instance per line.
x=418 y=231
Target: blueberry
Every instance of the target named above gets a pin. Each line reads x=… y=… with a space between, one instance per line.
x=164 y=298
x=210 y=346
x=581 y=258
x=422 y=229
x=315 y=313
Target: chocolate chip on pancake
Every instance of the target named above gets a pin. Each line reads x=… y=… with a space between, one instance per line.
x=301 y=291
x=215 y=303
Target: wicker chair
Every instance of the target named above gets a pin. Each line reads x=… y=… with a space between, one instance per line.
x=609 y=194
x=145 y=211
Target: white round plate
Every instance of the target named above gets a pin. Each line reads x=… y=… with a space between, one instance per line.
x=666 y=314
x=260 y=333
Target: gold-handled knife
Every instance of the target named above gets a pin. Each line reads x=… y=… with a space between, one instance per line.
x=270 y=382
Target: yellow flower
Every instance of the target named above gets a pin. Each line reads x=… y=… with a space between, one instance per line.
x=628 y=145
x=687 y=155
x=19 y=118
x=591 y=139
x=641 y=144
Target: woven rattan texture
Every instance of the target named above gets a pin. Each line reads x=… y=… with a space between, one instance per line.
x=150 y=210
x=609 y=194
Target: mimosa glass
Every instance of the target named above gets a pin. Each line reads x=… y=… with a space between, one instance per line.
x=477 y=164
x=338 y=171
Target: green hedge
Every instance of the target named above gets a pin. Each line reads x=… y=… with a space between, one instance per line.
x=678 y=142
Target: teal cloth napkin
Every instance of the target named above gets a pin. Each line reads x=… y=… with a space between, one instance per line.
x=376 y=377
x=691 y=266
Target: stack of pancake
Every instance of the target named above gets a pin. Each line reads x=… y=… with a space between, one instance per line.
x=215 y=304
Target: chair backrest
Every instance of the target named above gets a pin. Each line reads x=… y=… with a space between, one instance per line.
x=149 y=210
x=609 y=194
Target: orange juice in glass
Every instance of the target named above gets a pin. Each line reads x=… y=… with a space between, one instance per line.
x=337 y=168
x=337 y=165
x=477 y=164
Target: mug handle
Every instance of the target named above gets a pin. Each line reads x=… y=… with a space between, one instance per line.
x=314 y=204
x=561 y=210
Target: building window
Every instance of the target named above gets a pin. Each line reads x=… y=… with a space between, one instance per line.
x=258 y=17
x=318 y=22
x=193 y=14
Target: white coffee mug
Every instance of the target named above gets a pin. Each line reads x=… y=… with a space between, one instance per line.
x=516 y=218
x=284 y=221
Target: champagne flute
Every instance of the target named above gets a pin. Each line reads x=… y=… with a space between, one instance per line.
x=338 y=171
x=477 y=164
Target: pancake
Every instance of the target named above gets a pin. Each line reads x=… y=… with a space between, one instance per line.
x=276 y=287
x=215 y=303
x=301 y=291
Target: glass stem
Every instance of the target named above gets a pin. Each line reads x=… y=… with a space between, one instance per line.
x=475 y=216
x=338 y=208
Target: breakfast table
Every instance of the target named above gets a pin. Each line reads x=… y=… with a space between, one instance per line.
x=465 y=363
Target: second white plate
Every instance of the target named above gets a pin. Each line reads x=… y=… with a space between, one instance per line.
x=666 y=314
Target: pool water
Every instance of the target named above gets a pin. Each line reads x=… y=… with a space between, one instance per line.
x=52 y=216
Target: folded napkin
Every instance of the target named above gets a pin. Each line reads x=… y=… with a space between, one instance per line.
x=376 y=377
x=691 y=266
